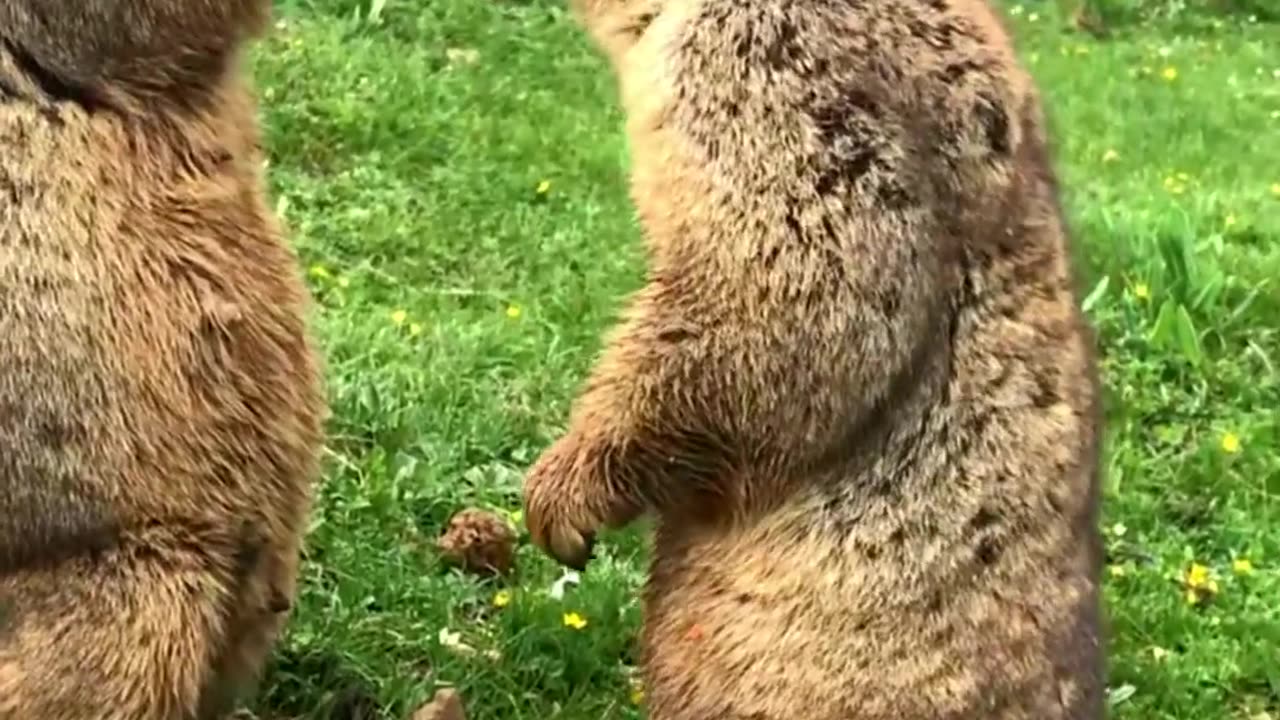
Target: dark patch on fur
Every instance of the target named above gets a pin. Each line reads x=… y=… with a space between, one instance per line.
x=771 y=255
x=954 y=72
x=746 y=43
x=279 y=602
x=994 y=120
x=793 y=225
x=642 y=23
x=56 y=434
x=1046 y=391
x=56 y=88
x=869 y=551
x=249 y=551
x=890 y=303
x=984 y=518
x=9 y=619
x=782 y=52
x=835 y=512
x=988 y=551
x=42 y=534
x=892 y=195
x=849 y=133
x=675 y=335
x=938 y=36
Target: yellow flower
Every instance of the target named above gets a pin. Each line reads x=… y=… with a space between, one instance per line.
x=1110 y=156
x=1230 y=443
x=574 y=620
x=344 y=282
x=415 y=329
x=1141 y=291
x=319 y=272
x=1242 y=566
x=513 y=311
x=501 y=599
x=1170 y=73
x=1033 y=17
x=515 y=516
x=399 y=316
x=1275 y=189
x=1197 y=576
x=1016 y=10
x=1119 y=529
x=637 y=692
x=1117 y=571
x=1198 y=584
x=544 y=187
x=1230 y=220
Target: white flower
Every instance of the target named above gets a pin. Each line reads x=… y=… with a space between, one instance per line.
x=570 y=577
x=453 y=641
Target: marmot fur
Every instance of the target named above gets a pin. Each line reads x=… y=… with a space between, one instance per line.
x=857 y=392
x=161 y=405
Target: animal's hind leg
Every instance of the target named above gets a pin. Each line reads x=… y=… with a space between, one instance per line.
x=259 y=612
x=126 y=636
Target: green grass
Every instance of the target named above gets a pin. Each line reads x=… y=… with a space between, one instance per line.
x=459 y=308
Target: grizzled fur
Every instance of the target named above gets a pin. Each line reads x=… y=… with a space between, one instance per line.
x=161 y=406
x=857 y=391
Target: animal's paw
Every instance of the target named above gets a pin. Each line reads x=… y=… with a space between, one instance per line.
x=568 y=500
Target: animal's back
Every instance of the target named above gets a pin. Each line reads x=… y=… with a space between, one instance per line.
x=160 y=406
x=938 y=558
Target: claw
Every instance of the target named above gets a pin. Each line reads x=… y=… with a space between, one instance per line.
x=572 y=548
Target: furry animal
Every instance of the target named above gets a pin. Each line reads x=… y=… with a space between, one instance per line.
x=161 y=405
x=857 y=391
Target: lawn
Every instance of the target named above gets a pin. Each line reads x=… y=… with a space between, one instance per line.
x=453 y=173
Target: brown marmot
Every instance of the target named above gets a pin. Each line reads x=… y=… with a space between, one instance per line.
x=161 y=405
x=857 y=392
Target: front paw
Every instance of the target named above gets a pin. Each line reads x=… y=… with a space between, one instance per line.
x=568 y=500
